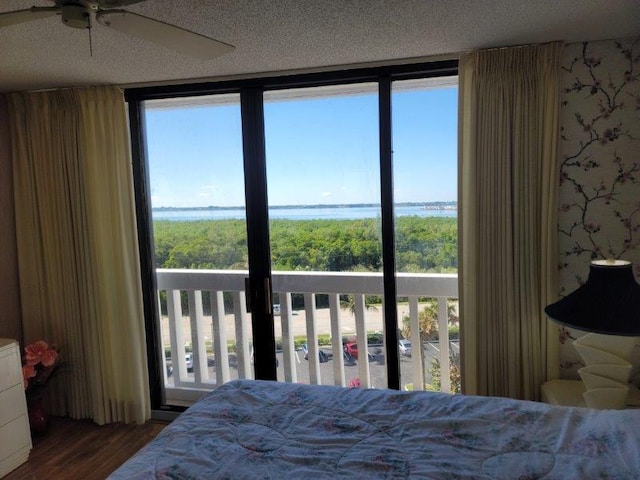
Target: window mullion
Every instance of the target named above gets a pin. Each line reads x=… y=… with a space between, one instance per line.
x=255 y=174
x=388 y=235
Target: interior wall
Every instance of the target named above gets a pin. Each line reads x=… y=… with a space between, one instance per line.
x=10 y=319
x=599 y=213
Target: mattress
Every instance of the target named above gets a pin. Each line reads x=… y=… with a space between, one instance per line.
x=253 y=429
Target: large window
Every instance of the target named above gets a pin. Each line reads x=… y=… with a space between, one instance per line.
x=272 y=222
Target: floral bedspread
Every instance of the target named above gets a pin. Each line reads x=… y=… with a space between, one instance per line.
x=254 y=430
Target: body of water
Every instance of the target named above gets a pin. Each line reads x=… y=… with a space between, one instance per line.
x=303 y=213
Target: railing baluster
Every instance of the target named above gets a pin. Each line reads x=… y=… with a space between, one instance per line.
x=243 y=334
x=312 y=338
x=336 y=340
x=165 y=374
x=221 y=355
x=178 y=360
x=288 y=345
x=361 y=340
x=198 y=344
x=385 y=377
x=417 y=350
x=443 y=335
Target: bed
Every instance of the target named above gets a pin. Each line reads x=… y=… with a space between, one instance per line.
x=253 y=429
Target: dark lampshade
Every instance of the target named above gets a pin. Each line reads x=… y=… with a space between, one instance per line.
x=608 y=303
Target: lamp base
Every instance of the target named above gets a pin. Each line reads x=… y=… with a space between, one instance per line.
x=606 y=375
x=568 y=393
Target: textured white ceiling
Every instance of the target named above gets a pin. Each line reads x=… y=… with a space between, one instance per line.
x=278 y=35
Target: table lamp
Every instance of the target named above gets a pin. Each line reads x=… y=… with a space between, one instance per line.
x=607 y=306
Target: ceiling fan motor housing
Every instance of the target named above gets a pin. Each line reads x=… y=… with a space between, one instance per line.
x=75 y=16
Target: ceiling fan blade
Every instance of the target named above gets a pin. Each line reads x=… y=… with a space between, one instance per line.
x=176 y=38
x=21 y=16
x=108 y=4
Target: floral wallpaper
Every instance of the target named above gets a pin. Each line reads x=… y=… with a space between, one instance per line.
x=599 y=213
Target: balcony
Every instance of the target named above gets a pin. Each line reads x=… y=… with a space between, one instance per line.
x=221 y=341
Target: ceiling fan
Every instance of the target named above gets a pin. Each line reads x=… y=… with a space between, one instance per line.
x=79 y=14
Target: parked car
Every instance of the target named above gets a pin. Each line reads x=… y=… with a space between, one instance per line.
x=405 y=347
x=188 y=360
x=348 y=359
x=322 y=355
x=352 y=349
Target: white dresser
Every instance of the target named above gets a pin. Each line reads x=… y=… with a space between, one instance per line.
x=15 y=437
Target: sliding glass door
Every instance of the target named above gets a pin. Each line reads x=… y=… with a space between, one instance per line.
x=196 y=179
x=323 y=179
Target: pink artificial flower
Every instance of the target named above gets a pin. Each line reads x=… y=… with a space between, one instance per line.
x=39 y=352
x=49 y=357
x=28 y=371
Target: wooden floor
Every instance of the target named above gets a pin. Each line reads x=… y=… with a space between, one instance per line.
x=80 y=449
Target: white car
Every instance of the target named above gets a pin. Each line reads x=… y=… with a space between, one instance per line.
x=188 y=357
x=405 y=347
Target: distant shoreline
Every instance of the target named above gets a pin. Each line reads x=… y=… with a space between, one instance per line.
x=425 y=205
x=307 y=212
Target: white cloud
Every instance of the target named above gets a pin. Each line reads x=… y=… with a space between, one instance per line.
x=326 y=194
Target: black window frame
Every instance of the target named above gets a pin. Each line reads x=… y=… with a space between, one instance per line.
x=250 y=91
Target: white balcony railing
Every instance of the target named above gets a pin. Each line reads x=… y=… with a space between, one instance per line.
x=211 y=335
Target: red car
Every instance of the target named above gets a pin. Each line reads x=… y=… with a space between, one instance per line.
x=352 y=349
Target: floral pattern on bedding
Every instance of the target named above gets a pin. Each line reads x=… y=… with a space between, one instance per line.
x=253 y=430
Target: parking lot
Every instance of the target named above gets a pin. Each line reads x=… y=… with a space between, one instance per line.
x=377 y=367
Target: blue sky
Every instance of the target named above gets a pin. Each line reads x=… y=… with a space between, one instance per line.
x=319 y=150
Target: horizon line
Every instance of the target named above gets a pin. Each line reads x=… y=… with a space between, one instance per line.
x=318 y=205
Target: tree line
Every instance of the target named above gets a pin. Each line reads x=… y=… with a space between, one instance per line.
x=423 y=244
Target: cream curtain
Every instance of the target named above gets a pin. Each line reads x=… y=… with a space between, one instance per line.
x=77 y=248
x=508 y=184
